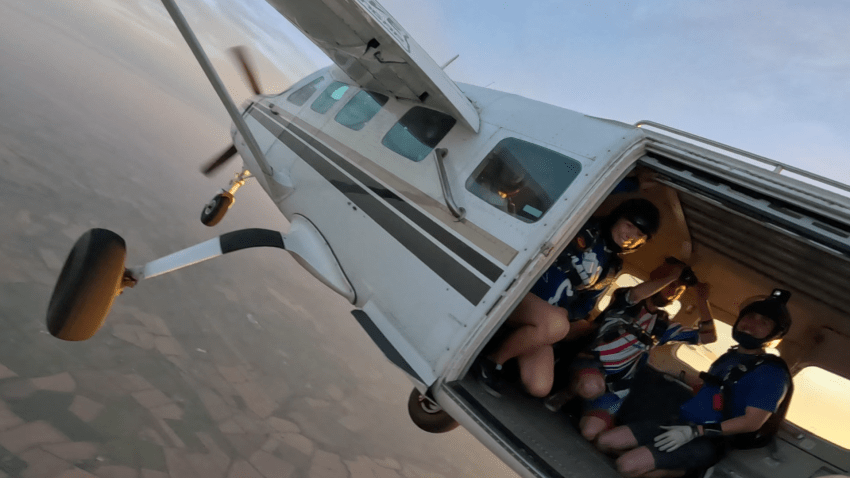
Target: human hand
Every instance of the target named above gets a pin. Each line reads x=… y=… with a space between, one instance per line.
x=674 y=437
x=677 y=271
x=702 y=290
x=673 y=267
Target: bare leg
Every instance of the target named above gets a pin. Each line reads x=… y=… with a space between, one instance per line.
x=664 y=473
x=617 y=440
x=589 y=384
x=637 y=462
x=640 y=462
x=540 y=323
x=586 y=383
x=537 y=370
x=579 y=329
x=592 y=426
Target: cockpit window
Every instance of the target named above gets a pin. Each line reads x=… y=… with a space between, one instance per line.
x=329 y=97
x=300 y=96
x=523 y=179
x=363 y=107
x=418 y=132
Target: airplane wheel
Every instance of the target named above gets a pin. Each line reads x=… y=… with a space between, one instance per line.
x=215 y=209
x=427 y=415
x=88 y=284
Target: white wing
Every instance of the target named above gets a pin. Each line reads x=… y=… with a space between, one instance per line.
x=363 y=39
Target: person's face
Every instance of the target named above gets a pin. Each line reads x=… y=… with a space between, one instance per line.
x=667 y=295
x=626 y=234
x=756 y=325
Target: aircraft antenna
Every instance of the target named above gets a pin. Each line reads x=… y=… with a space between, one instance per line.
x=449 y=62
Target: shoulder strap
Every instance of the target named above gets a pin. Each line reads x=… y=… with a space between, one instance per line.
x=763 y=435
x=622 y=323
x=662 y=323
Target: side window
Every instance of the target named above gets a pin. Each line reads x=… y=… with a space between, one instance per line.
x=523 y=179
x=819 y=405
x=363 y=107
x=304 y=93
x=329 y=97
x=418 y=132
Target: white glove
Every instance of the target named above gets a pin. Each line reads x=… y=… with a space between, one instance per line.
x=674 y=437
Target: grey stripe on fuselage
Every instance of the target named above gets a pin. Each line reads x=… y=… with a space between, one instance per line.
x=447 y=267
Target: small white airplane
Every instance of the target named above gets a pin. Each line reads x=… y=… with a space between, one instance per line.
x=433 y=207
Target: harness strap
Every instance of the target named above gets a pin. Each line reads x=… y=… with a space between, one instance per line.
x=762 y=435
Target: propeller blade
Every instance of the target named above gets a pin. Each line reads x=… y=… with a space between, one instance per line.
x=241 y=55
x=219 y=160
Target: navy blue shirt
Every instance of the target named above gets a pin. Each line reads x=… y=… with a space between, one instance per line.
x=763 y=387
x=581 y=273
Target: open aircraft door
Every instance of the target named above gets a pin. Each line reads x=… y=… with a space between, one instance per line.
x=445 y=324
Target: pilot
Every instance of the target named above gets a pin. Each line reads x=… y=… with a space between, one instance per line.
x=628 y=329
x=566 y=293
x=743 y=399
x=498 y=184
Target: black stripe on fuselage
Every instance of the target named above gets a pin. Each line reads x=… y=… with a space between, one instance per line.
x=448 y=268
x=453 y=243
x=384 y=344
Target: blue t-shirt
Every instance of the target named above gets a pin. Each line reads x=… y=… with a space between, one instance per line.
x=764 y=388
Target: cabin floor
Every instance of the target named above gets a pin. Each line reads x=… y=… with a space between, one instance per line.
x=546 y=439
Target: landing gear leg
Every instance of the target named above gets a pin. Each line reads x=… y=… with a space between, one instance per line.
x=215 y=210
x=94 y=275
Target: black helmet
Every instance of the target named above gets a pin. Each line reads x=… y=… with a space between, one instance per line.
x=640 y=212
x=773 y=307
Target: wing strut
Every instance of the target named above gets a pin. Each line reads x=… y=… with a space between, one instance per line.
x=217 y=85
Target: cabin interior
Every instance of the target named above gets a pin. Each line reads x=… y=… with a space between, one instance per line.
x=741 y=255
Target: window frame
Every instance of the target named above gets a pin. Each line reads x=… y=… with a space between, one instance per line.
x=332 y=104
x=315 y=82
x=363 y=123
x=474 y=184
x=438 y=115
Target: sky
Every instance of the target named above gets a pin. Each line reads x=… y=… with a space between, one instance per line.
x=767 y=76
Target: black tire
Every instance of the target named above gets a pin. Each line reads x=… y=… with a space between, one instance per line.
x=432 y=421
x=215 y=210
x=88 y=284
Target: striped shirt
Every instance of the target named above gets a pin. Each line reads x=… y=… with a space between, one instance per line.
x=627 y=332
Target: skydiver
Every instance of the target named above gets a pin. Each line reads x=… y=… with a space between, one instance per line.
x=628 y=329
x=743 y=398
x=566 y=293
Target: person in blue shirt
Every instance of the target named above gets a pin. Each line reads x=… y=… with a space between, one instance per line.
x=744 y=395
x=566 y=293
